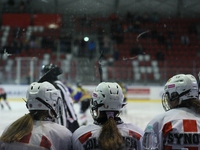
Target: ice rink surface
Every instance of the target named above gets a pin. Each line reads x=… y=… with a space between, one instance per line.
x=138 y=113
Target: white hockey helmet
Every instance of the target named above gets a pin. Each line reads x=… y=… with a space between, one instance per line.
x=43 y=96
x=180 y=87
x=107 y=96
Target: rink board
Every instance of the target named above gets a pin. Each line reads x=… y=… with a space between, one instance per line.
x=135 y=93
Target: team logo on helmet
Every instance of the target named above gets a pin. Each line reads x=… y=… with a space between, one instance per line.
x=171 y=86
x=95 y=95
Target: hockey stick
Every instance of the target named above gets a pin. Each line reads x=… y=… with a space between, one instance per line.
x=100 y=66
x=54 y=72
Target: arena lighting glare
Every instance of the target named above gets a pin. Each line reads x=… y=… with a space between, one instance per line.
x=53 y=26
x=86 y=39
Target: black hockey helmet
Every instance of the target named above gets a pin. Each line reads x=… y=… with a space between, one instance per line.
x=46 y=68
x=50 y=72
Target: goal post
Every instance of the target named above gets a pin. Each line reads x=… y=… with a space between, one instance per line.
x=25 y=69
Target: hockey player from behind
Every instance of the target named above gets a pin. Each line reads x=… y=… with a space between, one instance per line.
x=3 y=95
x=108 y=132
x=82 y=97
x=37 y=129
x=179 y=127
x=68 y=117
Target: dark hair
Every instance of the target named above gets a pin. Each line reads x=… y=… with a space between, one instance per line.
x=110 y=137
x=191 y=103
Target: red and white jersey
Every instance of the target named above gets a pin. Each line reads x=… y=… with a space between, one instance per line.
x=2 y=91
x=86 y=137
x=45 y=135
x=177 y=129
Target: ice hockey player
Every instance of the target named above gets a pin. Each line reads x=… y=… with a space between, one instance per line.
x=178 y=127
x=3 y=95
x=37 y=129
x=69 y=118
x=108 y=132
x=82 y=97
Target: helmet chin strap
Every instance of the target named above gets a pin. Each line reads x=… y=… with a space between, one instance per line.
x=48 y=105
x=179 y=95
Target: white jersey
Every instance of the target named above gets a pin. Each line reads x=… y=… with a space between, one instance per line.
x=69 y=119
x=86 y=137
x=45 y=135
x=177 y=129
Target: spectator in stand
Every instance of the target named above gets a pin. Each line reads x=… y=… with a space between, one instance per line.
x=161 y=38
x=65 y=41
x=116 y=54
x=192 y=29
x=168 y=44
x=160 y=55
x=145 y=18
x=22 y=6
x=106 y=44
x=155 y=18
x=100 y=35
x=171 y=33
x=154 y=33
x=75 y=49
x=185 y=39
x=91 y=48
x=129 y=17
x=137 y=49
x=82 y=47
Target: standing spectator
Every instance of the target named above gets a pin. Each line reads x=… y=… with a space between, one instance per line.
x=65 y=41
x=22 y=7
x=161 y=38
x=92 y=49
x=116 y=54
x=50 y=73
x=168 y=44
x=82 y=48
x=137 y=49
x=160 y=55
x=108 y=132
x=100 y=34
x=185 y=39
x=106 y=44
x=155 y=18
x=3 y=95
x=178 y=127
x=75 y=49
x=154 y=33
x=37 y=129
x=171 y=33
